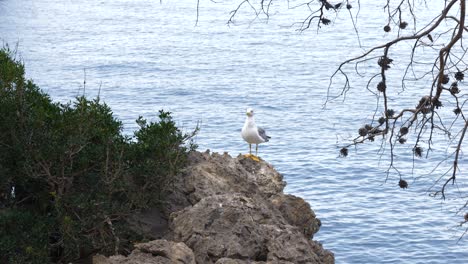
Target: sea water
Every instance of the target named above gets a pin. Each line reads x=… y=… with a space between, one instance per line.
x=140 y=56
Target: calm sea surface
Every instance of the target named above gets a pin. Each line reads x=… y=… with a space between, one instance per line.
x=144 y=56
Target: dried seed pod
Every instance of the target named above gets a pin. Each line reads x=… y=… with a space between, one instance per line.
x=381 y=87
x=328 y=5
x=466 y=217
x=349 y=6
x=387 y=28
x=403 y=131
x=403 y=25
x=459 y=76
x=445 y=79
x=368 y=127
x=384 y=62
x=381 y=120
x=457 y=110
x=403 y=184
x=344 y=152
x=418 y=151
x=390 y=112
x=454 y=88
x=362 y=131
x=325 y=21
x=402 y=140
x=425 y=101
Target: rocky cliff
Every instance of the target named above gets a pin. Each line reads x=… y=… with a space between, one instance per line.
x=227 y=210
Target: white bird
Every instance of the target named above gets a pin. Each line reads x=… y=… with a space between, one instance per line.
x=253 y=134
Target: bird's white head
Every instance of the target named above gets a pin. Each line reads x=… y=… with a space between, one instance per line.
x=250 y=112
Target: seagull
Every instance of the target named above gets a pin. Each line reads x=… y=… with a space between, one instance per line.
x=253 y=134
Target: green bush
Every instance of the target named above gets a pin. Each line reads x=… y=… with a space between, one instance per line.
x=69 y=177
x=156 y=153
x=24 y=237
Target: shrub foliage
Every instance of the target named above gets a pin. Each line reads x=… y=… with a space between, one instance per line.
x=69 y=177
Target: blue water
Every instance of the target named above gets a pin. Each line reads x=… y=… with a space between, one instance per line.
x=141 y=56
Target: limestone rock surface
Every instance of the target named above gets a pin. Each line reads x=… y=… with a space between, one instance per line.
x=297 y=212
x=239 y=227
x=154 y=252
x=228 y=210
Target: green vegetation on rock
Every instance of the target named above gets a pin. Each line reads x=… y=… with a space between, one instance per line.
x=69 y=178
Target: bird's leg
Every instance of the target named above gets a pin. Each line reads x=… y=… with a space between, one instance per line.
x=254 y=157
x=250 y=152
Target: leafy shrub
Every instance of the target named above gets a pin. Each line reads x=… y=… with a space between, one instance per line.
x=69 y=178
x=156 y=153
x=23 y=238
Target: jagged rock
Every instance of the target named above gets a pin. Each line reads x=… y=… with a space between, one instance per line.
x=152 y=223
x=239 y=227
x=215 y=174
x=228 y=210
x=176 y=252
x=297 y=212
x=154 y=252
